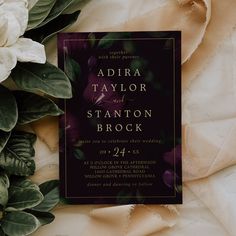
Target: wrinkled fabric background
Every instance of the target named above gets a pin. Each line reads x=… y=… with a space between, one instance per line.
x=209 y=123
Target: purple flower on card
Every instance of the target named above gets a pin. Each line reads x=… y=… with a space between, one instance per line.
x=170 y=178
x=173 y=156
x=92 y=62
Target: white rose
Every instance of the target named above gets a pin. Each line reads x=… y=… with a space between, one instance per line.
x=13 y=48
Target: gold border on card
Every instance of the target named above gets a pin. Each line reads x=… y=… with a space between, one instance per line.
x=174 y=84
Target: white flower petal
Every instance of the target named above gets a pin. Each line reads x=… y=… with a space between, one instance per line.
x=13 y=31
x=3 y=30
x=16 y=12
x=7 y=63
x=20 y=9
x=26 y=50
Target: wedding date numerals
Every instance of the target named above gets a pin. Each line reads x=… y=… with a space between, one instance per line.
x=119 y=152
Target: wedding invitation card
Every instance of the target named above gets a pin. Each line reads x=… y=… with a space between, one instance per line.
x=120 y=135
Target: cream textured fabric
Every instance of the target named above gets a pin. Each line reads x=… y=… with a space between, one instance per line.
x=209 y=123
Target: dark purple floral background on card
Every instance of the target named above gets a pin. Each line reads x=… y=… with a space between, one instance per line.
x=120 y=136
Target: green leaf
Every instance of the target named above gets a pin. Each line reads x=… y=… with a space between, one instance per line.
x=17 y=156
x=19 y=223
x=39 y=12
x=50 y=190
x=2 y=232
x=140 y=198
x=32 y=107
x=42 y=34
x=4 y=136
x=124 y=197
x=43 y=217
x=109 y=39
x=72 y=69
x=21 y=183
x=178 y=188
x=24 y=199
x=92 y=40
x=79 y=154
x=4 y=185
x=8 y=110
x=75 y=6
x=46 y=78
x=59 y=7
